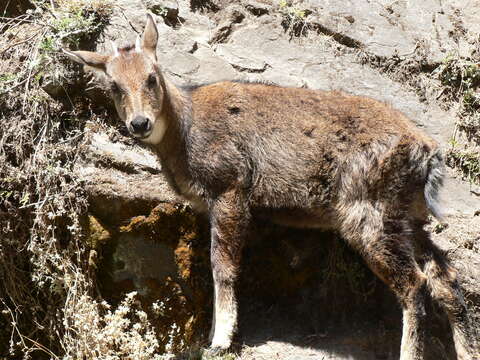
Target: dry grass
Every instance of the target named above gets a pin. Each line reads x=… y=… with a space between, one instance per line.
x=460 y=78
x=49 y=305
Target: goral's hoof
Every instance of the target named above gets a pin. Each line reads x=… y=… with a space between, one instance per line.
x=214 y=351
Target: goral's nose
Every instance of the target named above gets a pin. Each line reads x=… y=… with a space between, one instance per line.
x=140 y=124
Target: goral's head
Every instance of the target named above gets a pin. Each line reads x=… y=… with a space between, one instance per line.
x=136 y=83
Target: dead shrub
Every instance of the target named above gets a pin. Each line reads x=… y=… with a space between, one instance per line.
x=49 y=305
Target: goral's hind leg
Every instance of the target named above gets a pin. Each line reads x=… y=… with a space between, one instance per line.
x=444 y=287
x=391 y=258
x=387 y=248
x=230 y=220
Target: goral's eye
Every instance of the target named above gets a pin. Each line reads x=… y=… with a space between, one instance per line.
x=115 y=88
x=152 y=81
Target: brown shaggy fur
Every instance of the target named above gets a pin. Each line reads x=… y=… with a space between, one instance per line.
x=299 y=157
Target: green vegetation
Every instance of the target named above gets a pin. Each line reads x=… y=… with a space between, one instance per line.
x=43 y=258
x=467 y=160
x=461 y=77
x=159 y=10
x=63 y=23
x=7 y=80
x=7 y=77
x=49 y=304
x=291 y=12
x=460 y=74
x=294 y=19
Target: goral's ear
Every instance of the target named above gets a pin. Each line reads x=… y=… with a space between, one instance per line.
x=150 y=37
x=93 y=59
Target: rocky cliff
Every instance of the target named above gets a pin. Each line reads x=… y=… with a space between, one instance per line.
x=88 y=217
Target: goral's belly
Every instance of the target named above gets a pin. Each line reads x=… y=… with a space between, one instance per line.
x=300 y=218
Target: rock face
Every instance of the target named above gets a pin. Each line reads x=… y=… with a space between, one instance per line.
x=151 y=242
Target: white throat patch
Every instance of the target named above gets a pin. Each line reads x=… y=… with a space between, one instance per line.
x=138 y=45
x=114 y=48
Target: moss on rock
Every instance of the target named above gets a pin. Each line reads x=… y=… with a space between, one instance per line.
x=164 y=257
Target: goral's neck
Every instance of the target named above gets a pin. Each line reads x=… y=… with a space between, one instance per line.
x=173 y=149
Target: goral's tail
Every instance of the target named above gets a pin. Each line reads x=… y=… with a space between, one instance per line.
x=433 y=184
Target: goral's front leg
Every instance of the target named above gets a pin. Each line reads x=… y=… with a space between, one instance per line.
x=230 y=220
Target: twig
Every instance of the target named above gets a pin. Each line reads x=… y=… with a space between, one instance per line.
x=72 y=138
x=42 y=202
x=33 y=54
x=36 y=22
x=14 y=322
x=6 y=6
x=128 y=21
x=13 y=87
x=11 y=21
x=52 y=13
x=19 y=42
x=40 y=347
